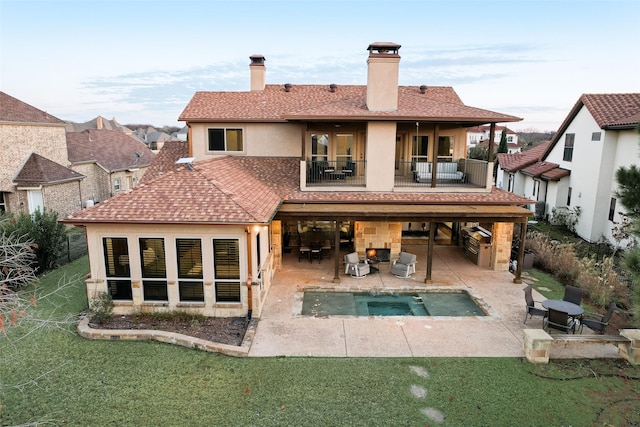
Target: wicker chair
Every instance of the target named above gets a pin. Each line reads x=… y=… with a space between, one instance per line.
x=559 y=320
x=532 y=310
x=596 y=322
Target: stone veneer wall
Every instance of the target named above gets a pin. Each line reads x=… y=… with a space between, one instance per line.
x=380 y=234
x=501 y=237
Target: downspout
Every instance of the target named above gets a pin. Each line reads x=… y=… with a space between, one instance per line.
x=523 y=236
x=247 y=230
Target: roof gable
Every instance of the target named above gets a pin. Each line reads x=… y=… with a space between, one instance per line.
x=517 y=161
x=39 y=170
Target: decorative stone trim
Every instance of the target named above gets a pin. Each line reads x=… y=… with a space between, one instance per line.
x=88 y=332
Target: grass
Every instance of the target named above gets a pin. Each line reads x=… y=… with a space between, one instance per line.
x=53 y=376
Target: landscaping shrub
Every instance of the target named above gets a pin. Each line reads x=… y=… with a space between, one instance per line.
x=101 y=308
x=600 y=280
x=554 y=257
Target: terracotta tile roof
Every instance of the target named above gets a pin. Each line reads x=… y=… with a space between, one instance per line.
x=14 y=110
x=516 y=161
x=609 y=110
x=166 y=159
x=614 y=109
x=555 y=174
x=39 y=170
x=113 y=150
x=487 y=128
x=247 y=190
x=537 y=169
x=274 y=104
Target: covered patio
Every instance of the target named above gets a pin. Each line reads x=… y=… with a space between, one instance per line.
x=283 y=331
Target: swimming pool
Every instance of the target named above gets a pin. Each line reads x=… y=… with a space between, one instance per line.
x=431 y=303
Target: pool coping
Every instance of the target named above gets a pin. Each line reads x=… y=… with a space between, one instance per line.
x=298 y=297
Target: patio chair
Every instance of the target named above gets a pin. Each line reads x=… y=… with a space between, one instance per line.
x=532 y=310
x=559 y=320
x=354 y=266
x=572 y=294
x=597 y=322
x=326 y=247
x=404 y=266
x=304 y=250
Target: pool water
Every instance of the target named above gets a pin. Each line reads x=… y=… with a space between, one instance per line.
x=457 y=303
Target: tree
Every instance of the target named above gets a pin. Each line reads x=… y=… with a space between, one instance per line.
x=503 y=147
x=628 y=189
x=478 y=153
x=43 y=229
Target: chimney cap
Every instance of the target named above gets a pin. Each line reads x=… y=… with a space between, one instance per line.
x=257 y=59
x=333 y=87
x=423 y=88
x=287 y=87
x=383 y=48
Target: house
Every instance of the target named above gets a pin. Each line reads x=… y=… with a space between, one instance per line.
x=512 y=172
x=577 y=170
x=35 y=173
x=112 y=161
x=98 y=123
x=478 y=134
x=268 y=171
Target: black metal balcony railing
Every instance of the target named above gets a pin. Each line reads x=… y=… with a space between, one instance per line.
x=336 y=173
x=460 y=173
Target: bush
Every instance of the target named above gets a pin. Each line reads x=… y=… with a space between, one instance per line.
x=43 y=229
x=554 y=257
x=600 y=280
x=101 y=308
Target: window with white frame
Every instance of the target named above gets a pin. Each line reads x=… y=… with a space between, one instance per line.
x=420 y=149
x=154 y=269
x=3 y=204
x=190 y=279
x=116 y=184
x=445 y=148
x=225 y=139
x=319 y=147
x=226 y=265
x=118 y=272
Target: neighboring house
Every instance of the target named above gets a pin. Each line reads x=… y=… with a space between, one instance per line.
x=98 y=123
x=512 y=172
x=153 y=138
x=34 y=173
x=112 y=162
x=281 y=166
x=478 y=134
x=577 y=169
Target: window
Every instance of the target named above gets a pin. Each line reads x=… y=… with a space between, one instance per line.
x=319 y=147
x=568 y=146
x=510 y=138
x=190 y=285
x=3 y=204
x=612 y=208
x=116 y=262
x=511 y=182
x=445 y=148
x=420 y=149
x=36 y=201
x=226 y=264
x=344 y=149
x=154 y=269
x=116 y=184
x=569 y=197
x=225 y=139
x=595 y=136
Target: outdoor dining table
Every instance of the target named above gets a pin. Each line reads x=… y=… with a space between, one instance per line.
x=570 y=308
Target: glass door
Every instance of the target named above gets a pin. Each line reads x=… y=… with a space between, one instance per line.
x=345 y=146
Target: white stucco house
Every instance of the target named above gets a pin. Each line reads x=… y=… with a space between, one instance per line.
x=578 y=168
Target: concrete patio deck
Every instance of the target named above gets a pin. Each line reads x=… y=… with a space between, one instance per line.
x=283 y=331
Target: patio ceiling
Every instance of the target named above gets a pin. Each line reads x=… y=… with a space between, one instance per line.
x=402 y=212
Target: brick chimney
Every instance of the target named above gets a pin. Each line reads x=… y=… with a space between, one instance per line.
x=258 y=72
x=382 y=76
x=98 y=122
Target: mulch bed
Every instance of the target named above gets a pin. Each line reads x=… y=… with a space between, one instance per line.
x=224 y=330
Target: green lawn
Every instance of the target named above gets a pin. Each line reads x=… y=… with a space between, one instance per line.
x=55 y=377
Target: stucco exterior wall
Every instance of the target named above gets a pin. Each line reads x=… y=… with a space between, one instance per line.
x=593 y=167
x=258 y=139
x=96 y=284
x=380 y=155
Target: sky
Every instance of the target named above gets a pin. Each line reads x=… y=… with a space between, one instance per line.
x=141 y=61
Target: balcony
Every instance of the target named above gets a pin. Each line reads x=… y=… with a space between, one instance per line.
x=346 y=175
x=464 y=173
x=335 y=173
